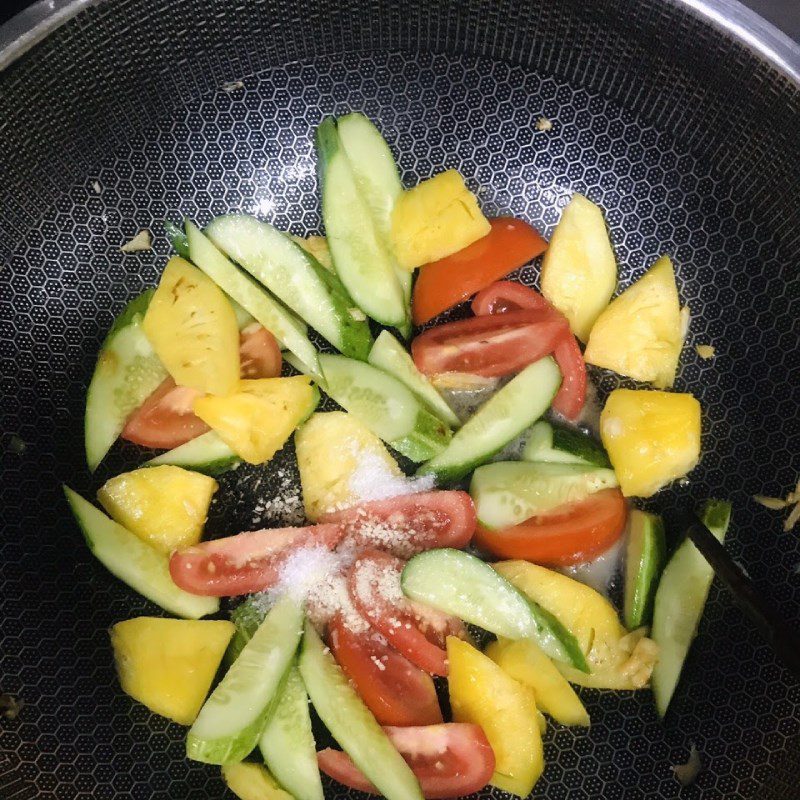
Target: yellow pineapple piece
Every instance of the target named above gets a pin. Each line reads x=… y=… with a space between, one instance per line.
x=251 y=781
x=169 y=664
x=579 y=271
x=193 y=329
x=639 y=334
x=330 y=447
x=651 y=437
x=165 y=506
x=436 y=218
x=256 y=421
x=317 y=246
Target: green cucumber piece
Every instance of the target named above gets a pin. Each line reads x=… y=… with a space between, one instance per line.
x=176 y=236
x=128 y=371
x=231 y=720
x=206 y=453
x=378 y=181
x=644 y=560
x=287 y=742
x=362 y=260
x=509 y=492
x=246 y=617
x=140 y=566
x=556 y=445
x=385 y=406
x=390 y=356
x=284 y=326
x=351 y=723
x=502 y=417
x=466 y=587
x=679 y=603
x=295 y=277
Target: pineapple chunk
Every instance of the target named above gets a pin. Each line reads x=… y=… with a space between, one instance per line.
x=169 y=664
x=192 y=327
x=317 y=246
x=438 y=217
x=256 y=421
x=164 y=506
x=329 y=448
x=651 y=437
x=639 y=334
x=250 y=781
x=579 y=271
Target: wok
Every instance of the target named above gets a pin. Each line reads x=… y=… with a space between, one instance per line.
x=681 y=118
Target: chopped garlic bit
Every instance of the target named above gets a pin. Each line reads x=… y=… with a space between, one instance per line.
x=96 y=187
x=705 y=351
x=142 y=241
x=772 y=503
x=639 y=667
x=543 y=124
x=232 y=86
x=629 y=642
x=357 y=314
x=686 y=320
x=688 y=772
x=778 y=504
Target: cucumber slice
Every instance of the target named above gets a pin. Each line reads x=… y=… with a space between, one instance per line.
x=128 y=371
x=509 y=492
x=644 y=560
x=287 y=742
x=678 y=607
x=351 y=723
x=385 y=406
x=140 y=566
x=378 y=181
x=177 y=238
x=231 y=720
x=207 y=454
x=502 y=417
x=462 y=585
x=390 y=356
x=295 y=277
x=246 y=617
x=556 y=445
x=283 y=325
x=362 y=260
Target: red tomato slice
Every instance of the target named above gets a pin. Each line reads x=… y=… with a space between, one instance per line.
x=374 y=587
x=259 y=353
x=166 y=419
x=507 y=297
x=245 y=563
x=568 y=535
x=447 y=282
x=408 y=524
x=394 y=690
x=492 y=346
x=453 y=759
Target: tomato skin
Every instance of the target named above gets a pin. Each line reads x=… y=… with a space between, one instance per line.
x=505 y=297
x=397 y=692
x=568 y=535
x=492 y=346
x=445 y=283
x=462 y=751
x=431 y=519
x=246 y=563
x=374 y=588
x=166 y=419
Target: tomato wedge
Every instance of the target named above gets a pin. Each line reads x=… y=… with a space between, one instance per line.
x=408 y=524
x=492 y=346
x=394 y=690
x=453 y=759
x=505 y=297
x=568 y=535
x=445 y=283
x=166 y=419
x=245 y=563
x=374 y=587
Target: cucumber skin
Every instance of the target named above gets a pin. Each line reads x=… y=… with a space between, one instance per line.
x=640 y=587
x=246 y=617
x=177 y=238
x=428 y=438
x=213 y=466
x=716 y=516
x=351 y=723
x=580 y=445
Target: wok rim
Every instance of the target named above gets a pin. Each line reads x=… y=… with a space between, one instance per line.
x=730 y=17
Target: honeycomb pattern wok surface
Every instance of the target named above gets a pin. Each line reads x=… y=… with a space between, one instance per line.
x=134 y=112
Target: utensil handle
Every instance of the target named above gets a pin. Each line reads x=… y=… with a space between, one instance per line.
x=783 y=639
